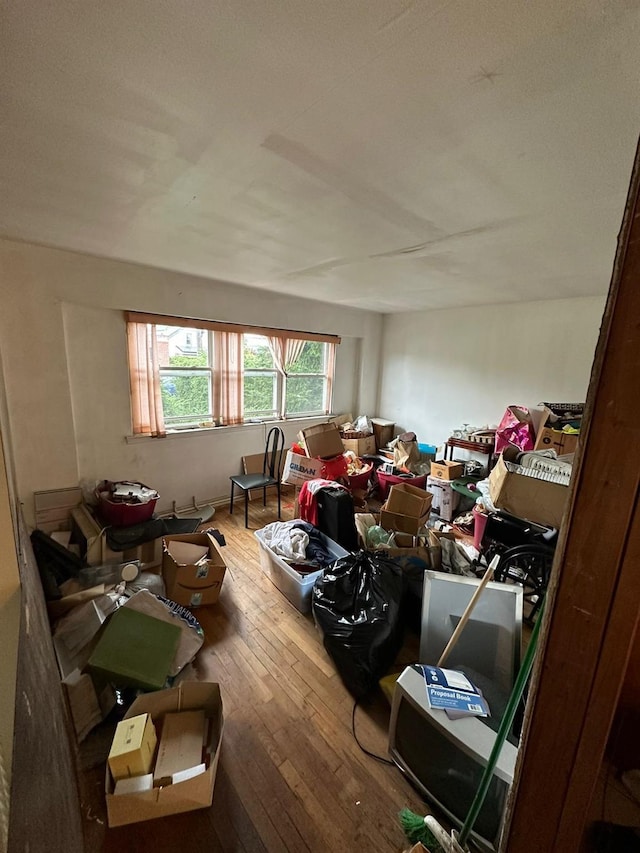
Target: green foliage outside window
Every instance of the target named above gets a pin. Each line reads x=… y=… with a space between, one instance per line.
x=186 y=397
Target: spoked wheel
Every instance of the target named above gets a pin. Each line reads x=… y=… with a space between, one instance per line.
x=530 y=567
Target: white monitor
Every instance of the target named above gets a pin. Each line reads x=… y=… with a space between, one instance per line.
x=489 y=643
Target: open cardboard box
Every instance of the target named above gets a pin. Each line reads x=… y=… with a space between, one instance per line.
x=322 y=441
x=198 y=584
x=527 y=497
x=194 y=793
x=298 y=469
x=408 y=500
x=402 y=523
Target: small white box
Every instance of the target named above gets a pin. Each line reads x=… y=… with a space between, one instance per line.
x=445 y=497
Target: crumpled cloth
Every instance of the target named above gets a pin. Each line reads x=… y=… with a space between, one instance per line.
x=286 y=541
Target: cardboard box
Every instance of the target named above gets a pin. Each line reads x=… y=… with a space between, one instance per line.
x=298 y=469
x=193 y=584
x=409 y=500
x=527 y=497
x=445 y=498
x=401 y=523
x=360 y=446
x=554 y=439
x=322 y=441
x=435 y=548
x=383 y=431
x=181 y=745
x=446 y=470
x=133 y=747
x=190 y=794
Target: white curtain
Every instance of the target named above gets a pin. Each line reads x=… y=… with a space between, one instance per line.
x=285 y=352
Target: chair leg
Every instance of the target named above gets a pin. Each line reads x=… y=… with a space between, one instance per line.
x=279 y=515
x=231 y=501
x=246 y=507
x=264 y=496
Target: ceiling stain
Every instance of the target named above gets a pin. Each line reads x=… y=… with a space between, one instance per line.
x=344 y=181
x=484 y=75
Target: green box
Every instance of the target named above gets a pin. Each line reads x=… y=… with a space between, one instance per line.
x=135 y=650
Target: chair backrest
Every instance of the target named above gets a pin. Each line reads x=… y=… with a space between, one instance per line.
x=273 y=450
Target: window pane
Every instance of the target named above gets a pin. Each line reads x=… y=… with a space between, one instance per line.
x=310 y=360
x=305 y=394
x=186 y=396
x=260 y=394
x=257 y=355
x=182 y=347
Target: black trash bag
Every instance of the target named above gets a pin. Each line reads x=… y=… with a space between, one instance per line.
x=356 y=605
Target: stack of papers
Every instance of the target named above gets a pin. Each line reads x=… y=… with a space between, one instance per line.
x=451 y=691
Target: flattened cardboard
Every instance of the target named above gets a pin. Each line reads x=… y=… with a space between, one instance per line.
x=444 y=469
x=527 y=497
x=322 y=441
x=195 y=793
x=298 y=469
x=409 y=500
x=181 y=744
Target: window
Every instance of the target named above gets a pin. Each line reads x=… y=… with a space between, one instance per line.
x=274 y=387
x=261 y=379
x=202 y=373
x=307 y=381
x=186 y=375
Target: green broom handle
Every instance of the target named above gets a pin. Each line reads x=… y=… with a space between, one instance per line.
x=505 y=725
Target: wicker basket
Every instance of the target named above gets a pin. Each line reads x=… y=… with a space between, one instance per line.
x=352 y=433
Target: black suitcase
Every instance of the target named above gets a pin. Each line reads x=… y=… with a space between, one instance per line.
x=336 y=517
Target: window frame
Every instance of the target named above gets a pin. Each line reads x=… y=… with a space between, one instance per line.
x=206 y=370
x=145 y=374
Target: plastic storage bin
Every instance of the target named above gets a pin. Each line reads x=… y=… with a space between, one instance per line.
x=296 y=587
x=123 y=512
x=360 y=481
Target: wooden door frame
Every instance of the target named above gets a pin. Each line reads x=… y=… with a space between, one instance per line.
x=594 y=595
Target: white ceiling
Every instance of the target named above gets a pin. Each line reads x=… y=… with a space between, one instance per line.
x=384 y=154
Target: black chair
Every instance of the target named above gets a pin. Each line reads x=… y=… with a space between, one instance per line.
x=270 y=476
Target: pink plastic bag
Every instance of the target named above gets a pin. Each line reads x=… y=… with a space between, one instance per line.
x=516 y=429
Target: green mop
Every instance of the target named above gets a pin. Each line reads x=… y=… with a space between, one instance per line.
x=427 y=830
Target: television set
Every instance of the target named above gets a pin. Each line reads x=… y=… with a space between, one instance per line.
x=490 y=643
x=445 y=759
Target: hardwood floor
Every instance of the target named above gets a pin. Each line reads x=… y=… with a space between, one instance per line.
x=291 y=776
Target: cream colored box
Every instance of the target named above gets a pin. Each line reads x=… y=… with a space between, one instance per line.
x=133 y=747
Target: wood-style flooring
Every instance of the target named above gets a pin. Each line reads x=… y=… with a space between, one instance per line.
x=291 y=776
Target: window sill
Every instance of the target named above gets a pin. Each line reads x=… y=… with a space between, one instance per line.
x=186 y=433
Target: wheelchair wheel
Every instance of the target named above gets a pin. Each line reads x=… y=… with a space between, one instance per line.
x=529 y=566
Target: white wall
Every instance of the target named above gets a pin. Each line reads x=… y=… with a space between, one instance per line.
x=62 y=339
x=466 y=365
